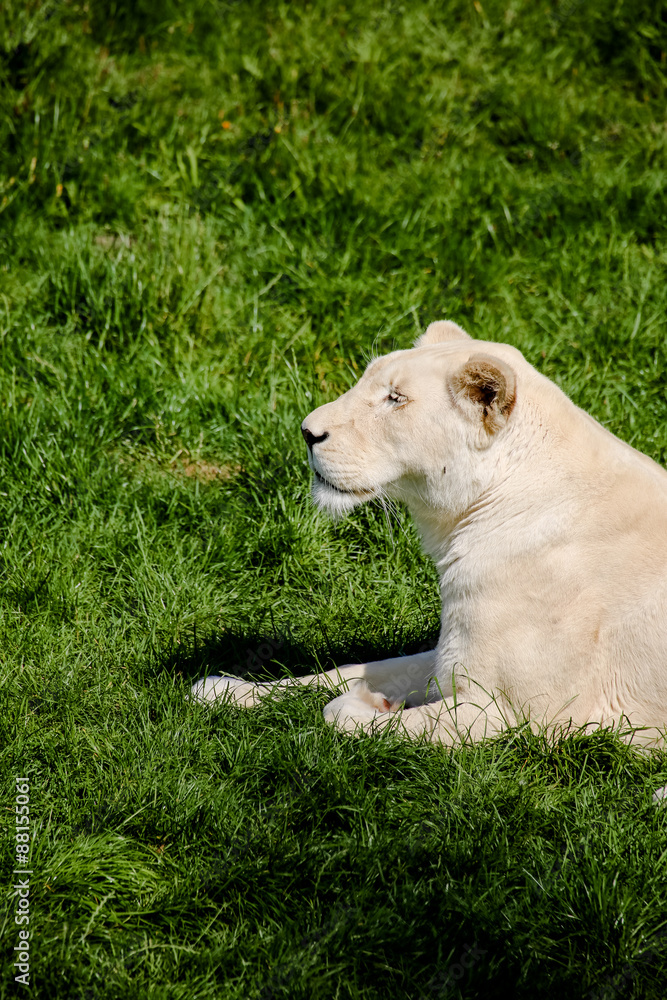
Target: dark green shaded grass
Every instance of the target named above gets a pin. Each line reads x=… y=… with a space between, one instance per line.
x=311 y=860
x=175 y=296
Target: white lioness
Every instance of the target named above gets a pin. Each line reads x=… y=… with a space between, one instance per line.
x=549 y=535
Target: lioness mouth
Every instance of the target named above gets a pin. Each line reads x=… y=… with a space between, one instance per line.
x=356 y=493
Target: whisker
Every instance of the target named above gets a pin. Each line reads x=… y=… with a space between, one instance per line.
x=383 y=504
x=390 y=507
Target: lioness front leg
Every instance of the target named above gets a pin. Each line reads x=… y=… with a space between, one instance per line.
x=400 y=679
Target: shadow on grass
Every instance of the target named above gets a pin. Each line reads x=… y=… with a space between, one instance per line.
x=271 y=654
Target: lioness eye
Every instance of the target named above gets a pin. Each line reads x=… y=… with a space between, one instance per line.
x=397 y=397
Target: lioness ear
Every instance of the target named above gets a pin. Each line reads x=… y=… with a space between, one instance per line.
x=485 y=388
x=441 y=331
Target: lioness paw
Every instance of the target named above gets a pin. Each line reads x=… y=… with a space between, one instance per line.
x=210 y=689
x=375 y=699
x=358 y=706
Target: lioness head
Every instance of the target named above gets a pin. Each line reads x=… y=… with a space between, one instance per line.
x=418 y=426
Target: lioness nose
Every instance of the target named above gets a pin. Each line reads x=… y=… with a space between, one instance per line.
x=310 y=438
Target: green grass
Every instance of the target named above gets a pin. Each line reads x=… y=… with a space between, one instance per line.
x=211 y=214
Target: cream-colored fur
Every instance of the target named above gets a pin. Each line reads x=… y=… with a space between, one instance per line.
x=549 y=535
